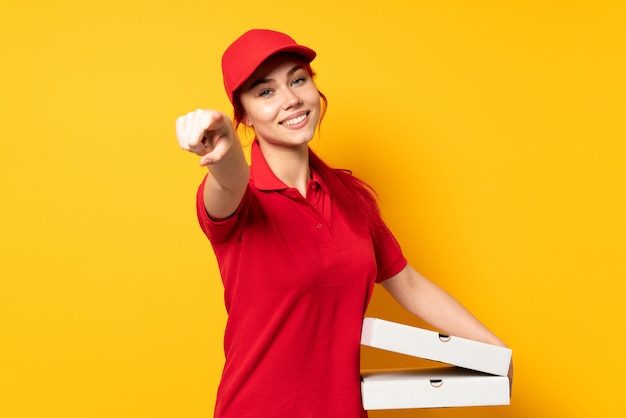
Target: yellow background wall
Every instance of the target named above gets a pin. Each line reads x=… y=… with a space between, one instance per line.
x=493 y=131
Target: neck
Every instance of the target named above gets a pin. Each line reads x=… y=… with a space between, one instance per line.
x=289 y=164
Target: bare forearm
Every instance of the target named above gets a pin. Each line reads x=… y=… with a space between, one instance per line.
x=232 y=172
x=226 y=184
x=434 y=305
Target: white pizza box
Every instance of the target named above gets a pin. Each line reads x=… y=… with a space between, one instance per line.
x=437 y=387
x=431 y=345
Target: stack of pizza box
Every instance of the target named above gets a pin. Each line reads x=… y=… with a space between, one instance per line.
x=474 y=374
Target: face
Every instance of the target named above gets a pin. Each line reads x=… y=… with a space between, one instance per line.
x=281 y=102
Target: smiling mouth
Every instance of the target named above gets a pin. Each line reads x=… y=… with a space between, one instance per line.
x=295 y=121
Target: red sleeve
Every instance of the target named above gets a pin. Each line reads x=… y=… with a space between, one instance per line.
x=223 y=230
x=389 y=257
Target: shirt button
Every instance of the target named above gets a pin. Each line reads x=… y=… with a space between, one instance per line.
x=319 y=226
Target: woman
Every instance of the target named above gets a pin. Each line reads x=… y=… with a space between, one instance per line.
x=299 y=245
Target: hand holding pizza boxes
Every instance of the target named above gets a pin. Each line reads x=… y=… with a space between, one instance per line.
x=476 y=374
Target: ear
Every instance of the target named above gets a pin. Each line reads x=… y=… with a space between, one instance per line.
x=246 y=121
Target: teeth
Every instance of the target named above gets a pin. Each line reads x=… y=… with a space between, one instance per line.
x=294 y=120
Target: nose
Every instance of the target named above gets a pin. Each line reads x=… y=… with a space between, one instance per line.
x=291 y=99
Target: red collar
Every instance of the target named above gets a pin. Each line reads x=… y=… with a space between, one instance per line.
x=262 y=175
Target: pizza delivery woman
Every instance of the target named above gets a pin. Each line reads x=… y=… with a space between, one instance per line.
x=299 y=244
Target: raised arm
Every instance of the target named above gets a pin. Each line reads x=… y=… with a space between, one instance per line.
x=211 y=135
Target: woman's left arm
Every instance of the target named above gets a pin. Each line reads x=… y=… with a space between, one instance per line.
x=434 y=305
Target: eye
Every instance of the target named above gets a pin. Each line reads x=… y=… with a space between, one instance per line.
x=298 y=80
x=265 y=92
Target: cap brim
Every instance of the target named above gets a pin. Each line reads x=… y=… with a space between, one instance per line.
x=307 y=54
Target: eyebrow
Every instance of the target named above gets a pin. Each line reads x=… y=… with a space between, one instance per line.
x=267 y=80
